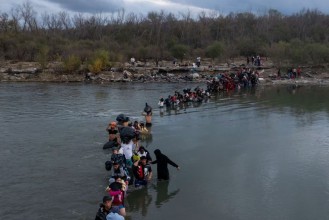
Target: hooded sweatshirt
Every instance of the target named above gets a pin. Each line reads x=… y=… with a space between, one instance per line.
x=162 y=165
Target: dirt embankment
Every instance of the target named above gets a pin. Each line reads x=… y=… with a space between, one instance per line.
x=166 y=71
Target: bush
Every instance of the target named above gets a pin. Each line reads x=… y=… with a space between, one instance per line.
x=99 y=61
x=215 y=50
x=279 y=52
x=42 y=56
x=72 y=63
x=96 y=65
x=179 y=51
x=318 y=53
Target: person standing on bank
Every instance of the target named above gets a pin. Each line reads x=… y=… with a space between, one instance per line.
x=162 y=165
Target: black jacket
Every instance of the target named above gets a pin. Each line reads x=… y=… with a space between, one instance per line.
x=162 y=165
x=101 y=213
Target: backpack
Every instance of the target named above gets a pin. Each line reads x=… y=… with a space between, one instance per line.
x=108 y=165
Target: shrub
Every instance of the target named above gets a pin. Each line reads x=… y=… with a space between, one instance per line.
x=42 y=56
x=96 y=65
x=99 y=61
x=72 y=63
x=215 y=50
x=318 y=53
x=179 y=51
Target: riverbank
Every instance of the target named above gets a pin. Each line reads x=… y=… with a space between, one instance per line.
x=147 y=72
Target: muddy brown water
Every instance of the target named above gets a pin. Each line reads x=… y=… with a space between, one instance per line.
x=252 y=154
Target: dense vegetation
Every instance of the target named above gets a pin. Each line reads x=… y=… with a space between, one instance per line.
x=98 y=40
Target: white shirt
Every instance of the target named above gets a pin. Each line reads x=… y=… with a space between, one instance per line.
x=127 y=149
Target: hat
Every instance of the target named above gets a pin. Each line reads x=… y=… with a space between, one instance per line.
x=120 y=117
x=135 y=158
x=143 y=158
x=107 y=198
x=142 y=148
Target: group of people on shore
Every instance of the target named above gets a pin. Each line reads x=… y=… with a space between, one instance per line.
x=243 y=78
x=130 y=164
x=255 y=60
x=292 y=73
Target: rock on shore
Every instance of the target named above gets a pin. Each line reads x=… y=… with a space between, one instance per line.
x=147 y=72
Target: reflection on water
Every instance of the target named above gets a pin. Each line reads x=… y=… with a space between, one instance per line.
x=266 y=151
x=162 y=193
x=138 y=201
x=146 y=138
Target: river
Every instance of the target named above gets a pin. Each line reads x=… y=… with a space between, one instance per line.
x=253 y=154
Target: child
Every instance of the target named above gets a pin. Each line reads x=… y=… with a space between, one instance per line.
x=117 y=190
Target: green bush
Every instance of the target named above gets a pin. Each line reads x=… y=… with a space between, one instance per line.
x=72 y=63
x=318 y=53
x=279 y=52
x=42 y=56
x=179 y=51
x=99 y=61
x=215 y=50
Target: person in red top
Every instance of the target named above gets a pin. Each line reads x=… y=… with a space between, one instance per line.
x=299 y=71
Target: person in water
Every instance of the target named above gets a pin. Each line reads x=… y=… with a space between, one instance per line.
x=113 y=132
x=142 y=172
x=162 y=165
x=143 y=129
x=118 y=171
x=117 y=190
x=143 y=152
x=148 y=115
x=118 y=158
x=161 y=102
x=127 y=134
x=107 y=212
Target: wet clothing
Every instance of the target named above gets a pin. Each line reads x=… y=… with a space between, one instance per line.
x=102 y=213
x=118 y=172
x=128 y=151
x=162 y=165
x=141 y=173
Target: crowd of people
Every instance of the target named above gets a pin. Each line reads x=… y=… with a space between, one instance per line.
x=188 y=95
x=243 y=78
x=130 y=164
x=292 y=73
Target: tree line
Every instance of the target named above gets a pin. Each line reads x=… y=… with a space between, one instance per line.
x=98 y=40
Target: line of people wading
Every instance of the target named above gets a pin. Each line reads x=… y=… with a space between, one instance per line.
x=130 y=163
